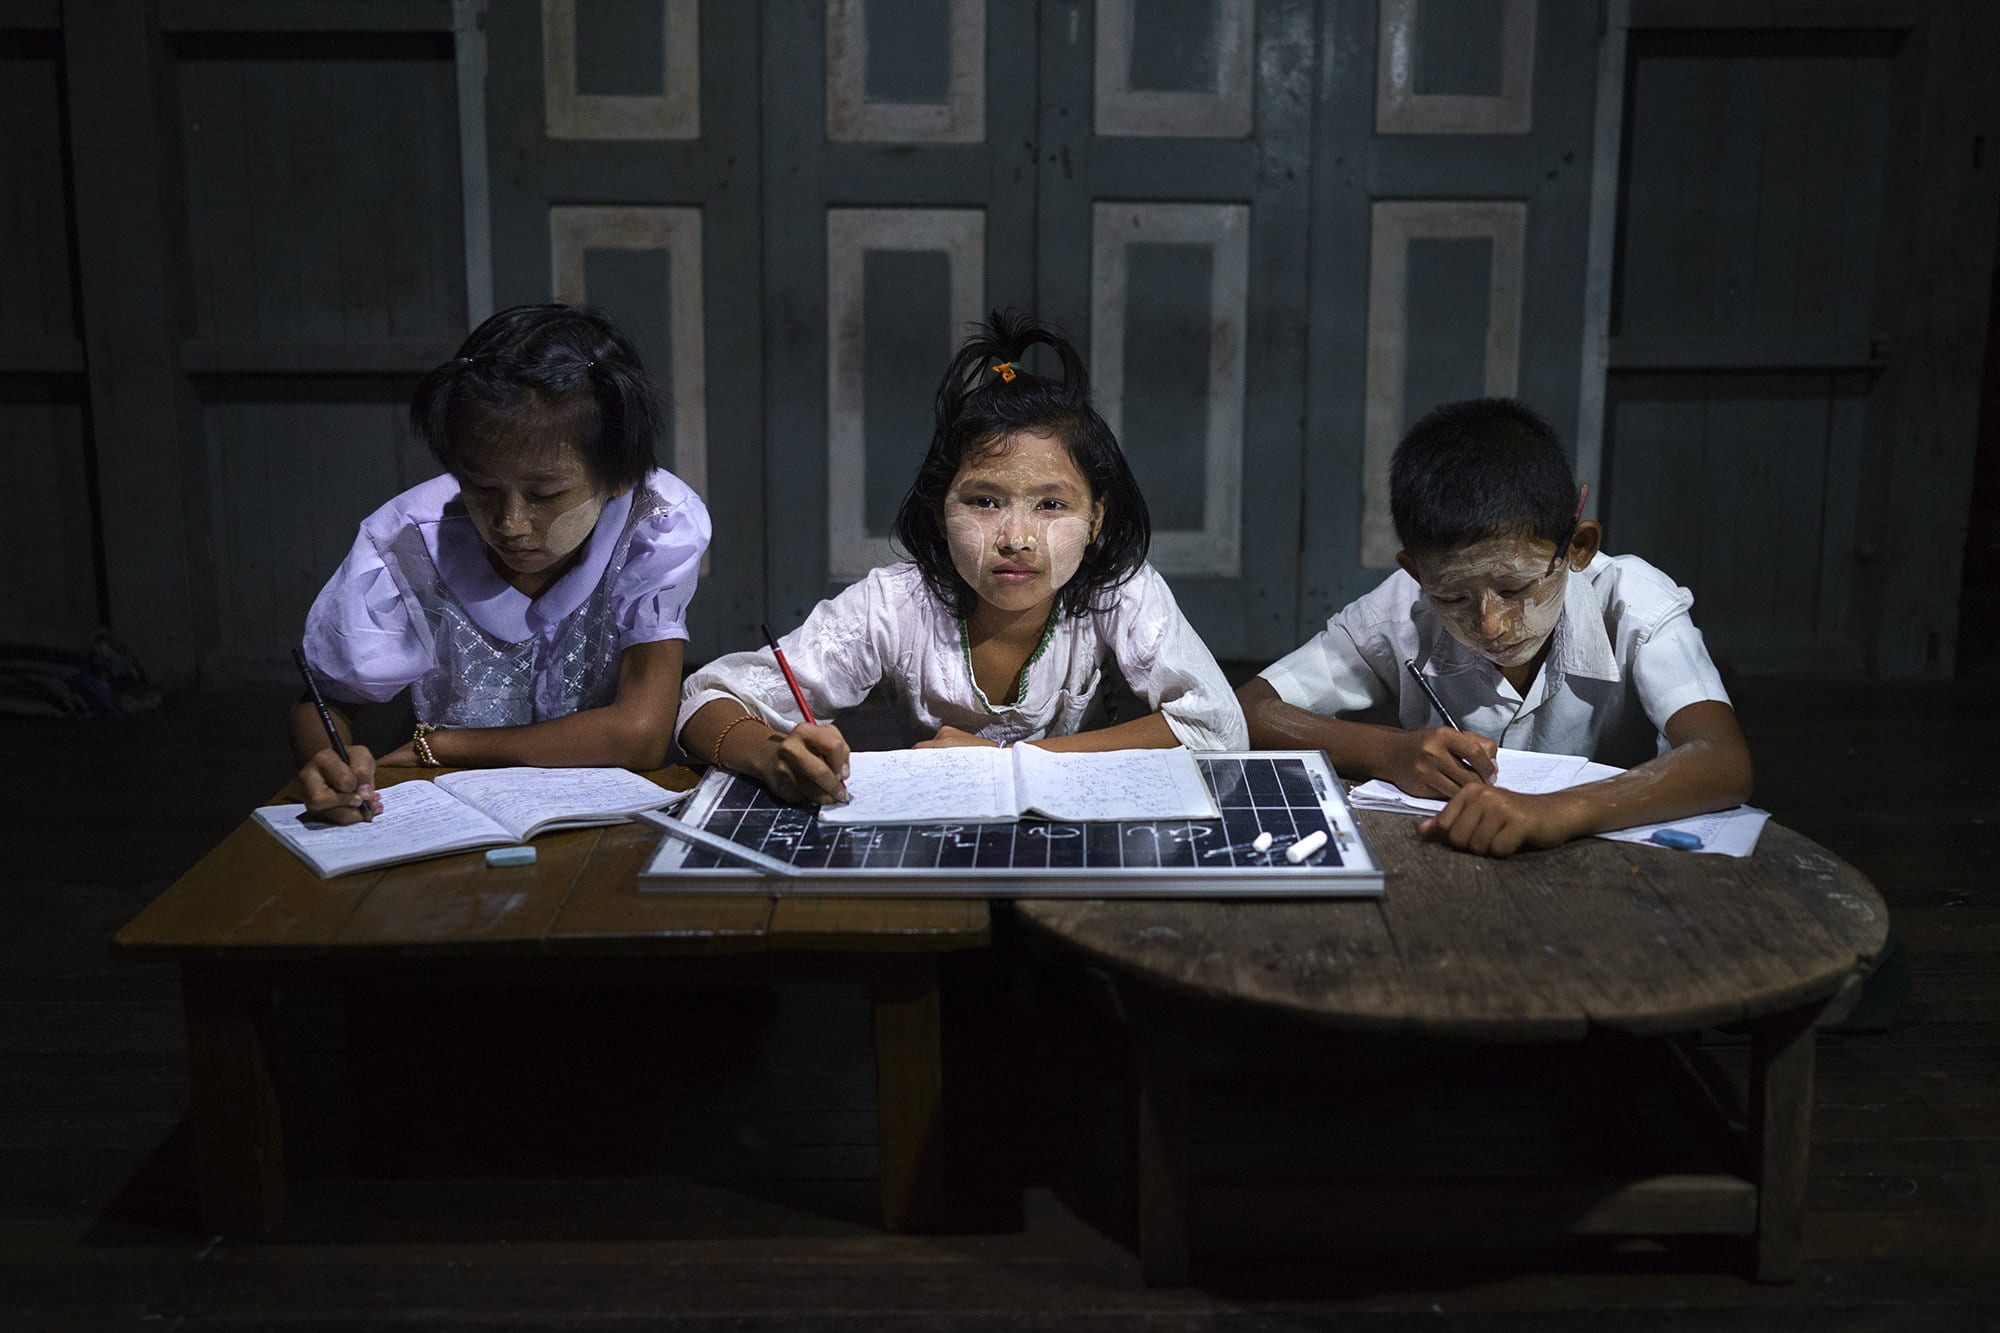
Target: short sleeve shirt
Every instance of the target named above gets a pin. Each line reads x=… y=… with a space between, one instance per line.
x=890 y=629
x=418 y=605
x=1626 y=657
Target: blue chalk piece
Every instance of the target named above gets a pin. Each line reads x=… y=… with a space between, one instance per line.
x=511 y=856
x=1673 y=837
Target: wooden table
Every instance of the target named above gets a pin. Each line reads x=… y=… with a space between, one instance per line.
x=250 y=919
x=1546 y=946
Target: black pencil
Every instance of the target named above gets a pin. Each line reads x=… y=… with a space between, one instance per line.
x=1431 y=694
x=326 y=717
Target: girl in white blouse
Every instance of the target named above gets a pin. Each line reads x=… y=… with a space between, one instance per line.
x=1027 y=536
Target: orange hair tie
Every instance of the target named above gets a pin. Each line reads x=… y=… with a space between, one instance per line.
x=1006 y=370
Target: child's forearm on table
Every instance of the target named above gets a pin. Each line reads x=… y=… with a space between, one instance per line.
x=1356 y=749
x=1692 y=779
x=1150 y=732
x=720 y=719
x=608 y=737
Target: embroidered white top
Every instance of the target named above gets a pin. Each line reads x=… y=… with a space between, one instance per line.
x=889 y=628
x=1626 y=657
x=417 y=604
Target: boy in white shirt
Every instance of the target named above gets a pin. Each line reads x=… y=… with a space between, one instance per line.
x=1529 y=636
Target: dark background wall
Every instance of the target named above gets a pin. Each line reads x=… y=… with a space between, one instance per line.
x=1741 y=251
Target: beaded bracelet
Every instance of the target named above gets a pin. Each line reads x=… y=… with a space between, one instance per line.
x=715 y=756
x=423 y=746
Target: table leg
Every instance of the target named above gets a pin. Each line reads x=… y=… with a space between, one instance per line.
x=909 y=1094
x=1162 y=1143
x=1781 y=1104
x=239 y=1147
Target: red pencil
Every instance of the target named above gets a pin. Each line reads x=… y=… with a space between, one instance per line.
x=791 y=680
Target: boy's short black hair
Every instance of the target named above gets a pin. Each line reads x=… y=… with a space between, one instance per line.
x=555 y=371
x=1487 y=467
x=977 y=406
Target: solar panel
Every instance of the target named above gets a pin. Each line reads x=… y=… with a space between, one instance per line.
x=1288 y=794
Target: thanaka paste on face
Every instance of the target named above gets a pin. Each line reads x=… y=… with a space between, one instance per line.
x=549 y=538
x=1069 y=534
x=1506 y=630
x=1016 y=475
x=571 y=528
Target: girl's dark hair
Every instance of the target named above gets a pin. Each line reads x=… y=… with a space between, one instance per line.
x=977 y=407
x=554 y=371
x=1487 y=467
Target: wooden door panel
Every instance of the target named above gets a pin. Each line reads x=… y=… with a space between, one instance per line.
x=1172 y=232
x=1451 y=188
x=42 y=417
x=900 y=210
x=1744 y=345
x=626 y=162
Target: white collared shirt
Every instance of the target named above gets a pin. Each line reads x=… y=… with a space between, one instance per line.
x=891 y=629
x=1626 y=657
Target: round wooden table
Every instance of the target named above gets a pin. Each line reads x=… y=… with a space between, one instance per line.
x=1545 y=946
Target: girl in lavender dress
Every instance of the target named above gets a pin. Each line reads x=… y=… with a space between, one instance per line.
x=533 y=599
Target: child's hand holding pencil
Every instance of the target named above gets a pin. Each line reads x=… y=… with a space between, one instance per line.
x=808 y=763
x=339 y=781
x=341 y=793
x=1437 y=761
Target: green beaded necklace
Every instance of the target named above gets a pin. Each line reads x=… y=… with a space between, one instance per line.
x=1021 y=683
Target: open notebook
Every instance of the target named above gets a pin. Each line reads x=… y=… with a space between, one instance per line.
x=976 y=784
x=1722 y=832
x=485 y=807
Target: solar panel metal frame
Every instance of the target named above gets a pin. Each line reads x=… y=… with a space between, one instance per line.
x=1288 y=793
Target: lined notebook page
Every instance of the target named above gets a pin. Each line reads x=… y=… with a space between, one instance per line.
x=417 y=820
x=1113 y=784
x=969 y=784
x=526 y=800
x=1519 y=770
x=976 y=785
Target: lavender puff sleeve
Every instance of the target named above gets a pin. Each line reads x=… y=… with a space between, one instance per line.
x=363 y=636
x=650 y=600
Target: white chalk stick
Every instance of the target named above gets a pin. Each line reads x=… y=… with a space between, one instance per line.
x=1262 y=842
x=511 y=856
x=1306 y=846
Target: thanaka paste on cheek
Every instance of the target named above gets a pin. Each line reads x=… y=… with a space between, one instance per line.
x=1067 y=538
x=499 y=498
x=973 y=536
x=571 y=528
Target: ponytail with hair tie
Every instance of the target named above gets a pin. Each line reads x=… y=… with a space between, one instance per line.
x=986 y=395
